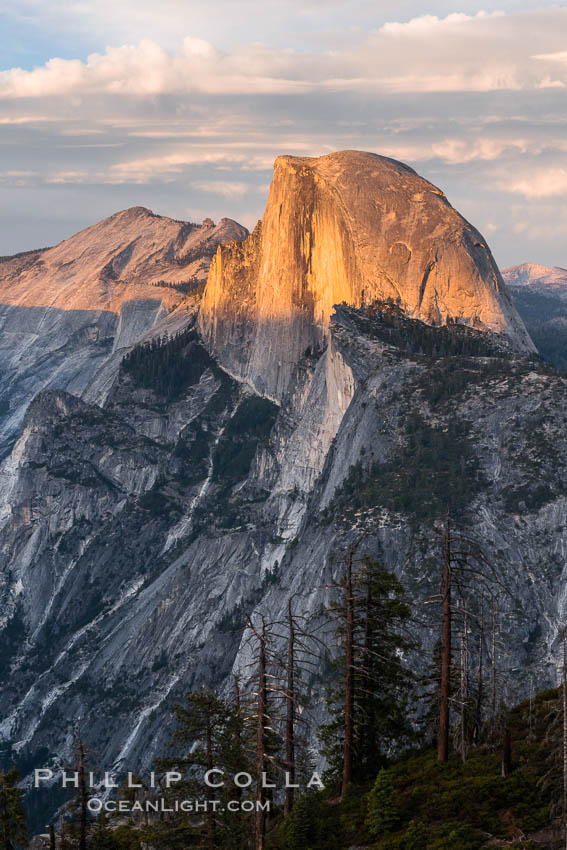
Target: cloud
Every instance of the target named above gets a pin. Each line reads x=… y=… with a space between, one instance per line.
x=191 y=126
x=546 y=183
x=226 y=188
x=427 y=25
x=482 y=52
x=560 y=57
x=147 y=70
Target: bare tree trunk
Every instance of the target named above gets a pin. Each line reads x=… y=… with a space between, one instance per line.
x=290 y=715
x=83 y=795
x=479 y=686
x=507 y=753
x=261 y=740
x=464 y=688
x=564 y=694
x=443 y=740
x=237 y=735
x=211 y=820
x=51 y=837
x=63 y=844
x=367 y=669
x=493 y=675
x=348 y=753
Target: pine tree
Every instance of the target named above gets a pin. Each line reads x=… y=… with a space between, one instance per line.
x=13 y=830
x=446 y=649
x=214 y=734
x=235 y=747
x=300 y=825
x=416 y=836
x=102 y=837
x=468 y=581
x=383 y=814
x=369 y=706
x=202 y=719
x=75 y=831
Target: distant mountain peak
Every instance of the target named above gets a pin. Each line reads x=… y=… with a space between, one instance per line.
x=66 y=312
x=152 y=254
x=136 y=212
x=527 y=274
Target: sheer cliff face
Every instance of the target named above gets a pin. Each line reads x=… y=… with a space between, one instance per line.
x=349 y=227
x=134 y=546
x=67 y=312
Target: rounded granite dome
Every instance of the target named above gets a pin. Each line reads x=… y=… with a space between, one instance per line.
x=350 y=227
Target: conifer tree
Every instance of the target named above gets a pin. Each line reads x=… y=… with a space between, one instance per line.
x=261 y=706
x=201 y=721
x=215 y=734
x=369 y=706
x=101 y=836
x=468 y=581
x=75 y=831
x=13 y=830
x=383 y=814
x=300 y=826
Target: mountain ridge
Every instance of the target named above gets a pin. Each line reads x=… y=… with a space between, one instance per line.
x=533 y=274
x=67 y=311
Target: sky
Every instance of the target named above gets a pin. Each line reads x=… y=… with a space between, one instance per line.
x=183 y=105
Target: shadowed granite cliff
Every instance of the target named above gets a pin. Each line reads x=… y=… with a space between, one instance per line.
x=68 y=313
x=348 y=227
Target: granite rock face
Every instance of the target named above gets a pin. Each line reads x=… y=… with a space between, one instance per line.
x=141 y=523
x=136 y=537
x=67 y=310
x=349 y=227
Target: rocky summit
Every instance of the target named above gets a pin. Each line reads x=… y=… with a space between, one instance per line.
x=540 y=296
x=354 y=366
x=535 y=276
x=65 y=311
x=348 y=227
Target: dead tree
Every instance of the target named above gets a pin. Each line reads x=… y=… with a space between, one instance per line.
x=368 y=705
x=464 y=564
x=446 y=648
x=464 y=688
x=479 y=685
x=291 y=708
x=298 y=657
x=261 y=712
x=348 y=750
x=507 y=753
x=564 y=706
x=77 y=807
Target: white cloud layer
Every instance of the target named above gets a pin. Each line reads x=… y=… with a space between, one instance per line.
x=484 y=52
x=475 y=100
x=544 y=183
